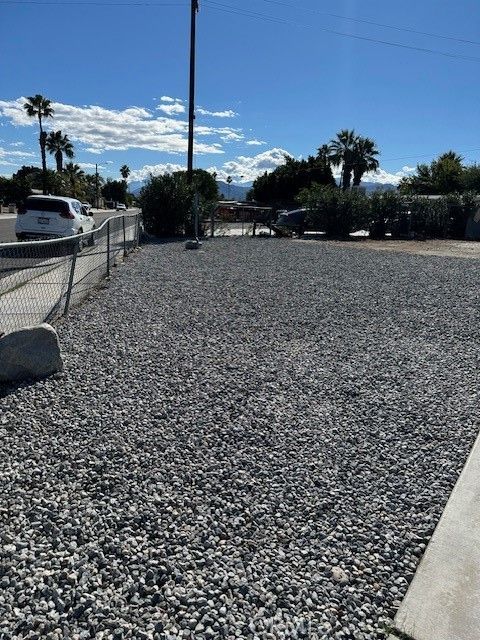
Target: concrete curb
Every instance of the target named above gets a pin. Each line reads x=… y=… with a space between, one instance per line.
x=442 y=602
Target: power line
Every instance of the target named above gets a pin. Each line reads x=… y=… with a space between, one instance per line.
x=97 y=3
x=252 y=14
x=375 y=24
x=428 y=155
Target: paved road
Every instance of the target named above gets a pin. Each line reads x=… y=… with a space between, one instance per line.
x=7 y=223
x=36 y=291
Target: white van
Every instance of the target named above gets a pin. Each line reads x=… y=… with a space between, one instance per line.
x=45 y=217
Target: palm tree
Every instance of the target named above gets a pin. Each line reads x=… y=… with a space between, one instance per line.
x=74 y=175
x=364 y=158
x=58 y=144
x=125 y=171
x=42 y=108
x=229 y=182
x=324 y=154
x=342 y=153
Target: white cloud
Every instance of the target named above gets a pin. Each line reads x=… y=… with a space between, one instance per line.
x=171 y=109
x=89 y=165
x=246 y=169
x=101 y=129
x=154 y=170
x=241 y=169
x=255 y=142
x=227 y=113
x=17 y=144
x=10 y=158
x=232 y=136
x=167 y=99
x=385 y=177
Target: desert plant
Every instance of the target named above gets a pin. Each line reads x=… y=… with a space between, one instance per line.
x=166 y=203
x=333 y=211
x=384 y=208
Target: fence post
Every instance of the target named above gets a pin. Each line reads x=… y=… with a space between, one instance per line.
x=254 y=228
x=212 y=222
x=124 y=238
x=270 y=222
x=70 y=279
x=108 y=248
x=137 y=231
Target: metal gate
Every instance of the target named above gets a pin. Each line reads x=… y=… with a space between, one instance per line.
x=238 y=219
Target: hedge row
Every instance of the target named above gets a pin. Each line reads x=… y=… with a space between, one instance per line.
x=339 y=213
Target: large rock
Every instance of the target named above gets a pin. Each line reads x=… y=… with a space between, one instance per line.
x=33 y=352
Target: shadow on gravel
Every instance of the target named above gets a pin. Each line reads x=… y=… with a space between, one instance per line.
x=7 y=388
x=149 y=239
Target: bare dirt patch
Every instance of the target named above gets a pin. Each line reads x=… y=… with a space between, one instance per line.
x=445 y=248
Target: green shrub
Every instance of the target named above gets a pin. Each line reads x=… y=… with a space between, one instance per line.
x=384 y=208
x=338 y=213
x=461 y=207
x=429 y=218
x=166 y=203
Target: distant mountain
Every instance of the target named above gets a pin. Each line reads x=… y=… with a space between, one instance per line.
x=239 y=191
x=370 y=187
x=233 y=191
x=377 y=186
x=230 y=192
x=135 y=186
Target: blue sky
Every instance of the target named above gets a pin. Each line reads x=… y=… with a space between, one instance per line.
x=272 y=77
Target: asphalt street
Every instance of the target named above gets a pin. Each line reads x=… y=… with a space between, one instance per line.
x=7 y=223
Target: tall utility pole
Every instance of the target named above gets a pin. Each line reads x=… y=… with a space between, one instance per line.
x=191 y=98
x=96 y=185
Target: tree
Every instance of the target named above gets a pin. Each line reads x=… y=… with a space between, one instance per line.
x=125 y=172
x=471 y=178
x=206 y=185
x=334 y=211
x=91 y=181
x=364 y=151
x=14 y=190
x=75 y=177
x=442 y=176
x=41 y=108
x=58 y=145
x=342 y=154
x=35 y=179
x=281 y=187
x=229 y=182
x=114 y=190
x=447 y=172
x=166 y=203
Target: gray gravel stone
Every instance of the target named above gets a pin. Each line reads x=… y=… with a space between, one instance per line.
x=31 y=352
x=235 y=429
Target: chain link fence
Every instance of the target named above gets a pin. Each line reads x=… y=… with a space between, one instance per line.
x=40 y=280
x=238 y=219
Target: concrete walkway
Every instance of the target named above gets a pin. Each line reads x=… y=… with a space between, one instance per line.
x=443 y=601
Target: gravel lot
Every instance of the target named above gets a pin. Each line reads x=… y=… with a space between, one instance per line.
x=251 y=441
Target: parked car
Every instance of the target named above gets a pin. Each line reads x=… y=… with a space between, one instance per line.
x=45 y=217
x=289 y=222
x=121 y=206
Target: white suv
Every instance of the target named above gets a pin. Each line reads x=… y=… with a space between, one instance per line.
x=52 y=217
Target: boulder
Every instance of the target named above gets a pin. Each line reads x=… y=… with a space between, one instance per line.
x=32 y=352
